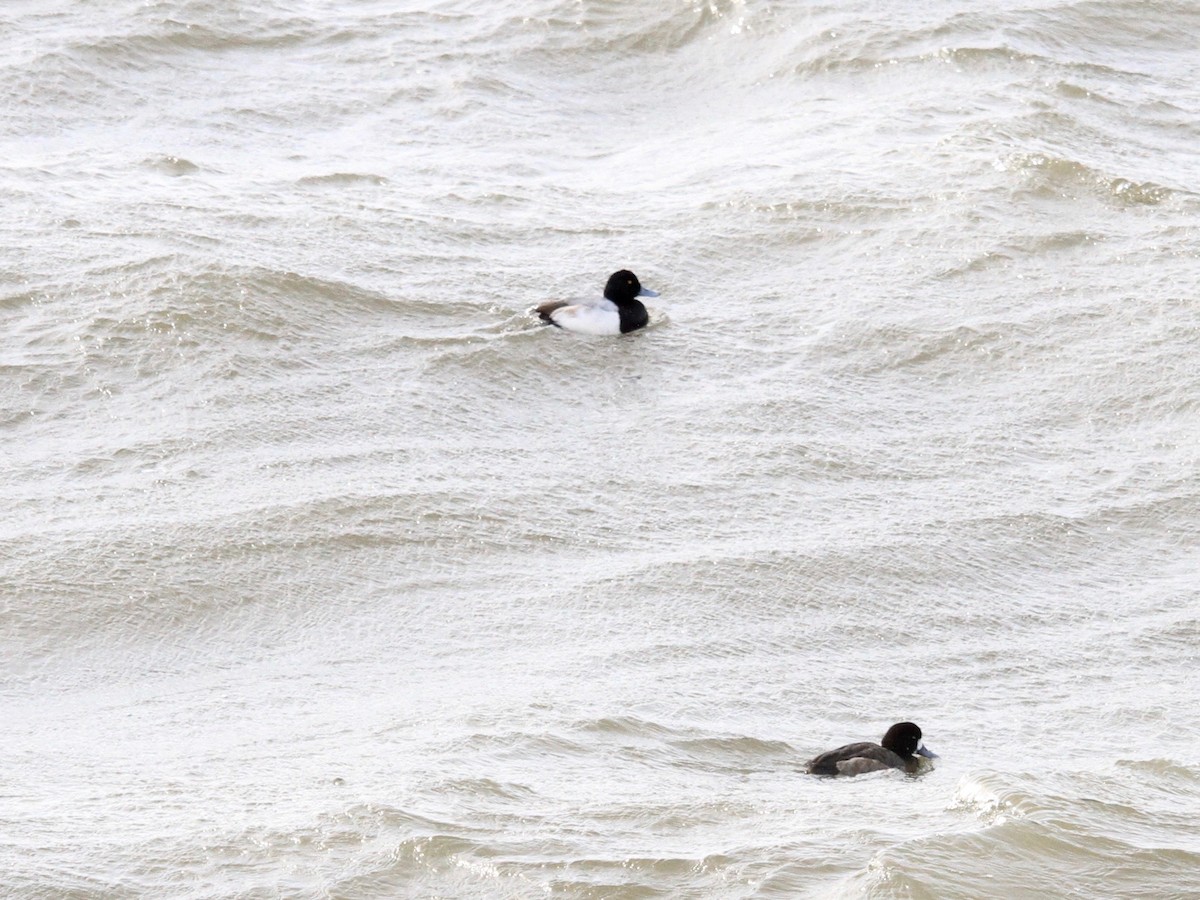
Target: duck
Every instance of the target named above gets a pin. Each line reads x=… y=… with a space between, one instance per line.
x=617 y=312
x=895 y=751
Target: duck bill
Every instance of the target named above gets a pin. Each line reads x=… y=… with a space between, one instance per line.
x=646 y=292
x=926 y=752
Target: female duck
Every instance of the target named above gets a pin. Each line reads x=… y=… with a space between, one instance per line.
x=617 y=312
x=898 y=746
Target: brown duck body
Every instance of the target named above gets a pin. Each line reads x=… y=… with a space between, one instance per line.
x=856 y=759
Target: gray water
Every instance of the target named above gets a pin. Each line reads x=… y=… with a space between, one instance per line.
x=325 y=571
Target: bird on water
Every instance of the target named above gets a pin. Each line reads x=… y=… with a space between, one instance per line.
x=895 y=751
x=619 y=311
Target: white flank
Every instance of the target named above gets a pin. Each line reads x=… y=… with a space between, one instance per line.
x=584 y=319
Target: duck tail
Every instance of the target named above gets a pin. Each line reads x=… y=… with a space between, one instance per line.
x=547 y=309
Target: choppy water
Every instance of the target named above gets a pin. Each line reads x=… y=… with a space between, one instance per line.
x=324 y=571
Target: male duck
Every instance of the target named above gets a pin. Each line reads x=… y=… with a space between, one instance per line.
x=898 y=746
x=617 y=312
